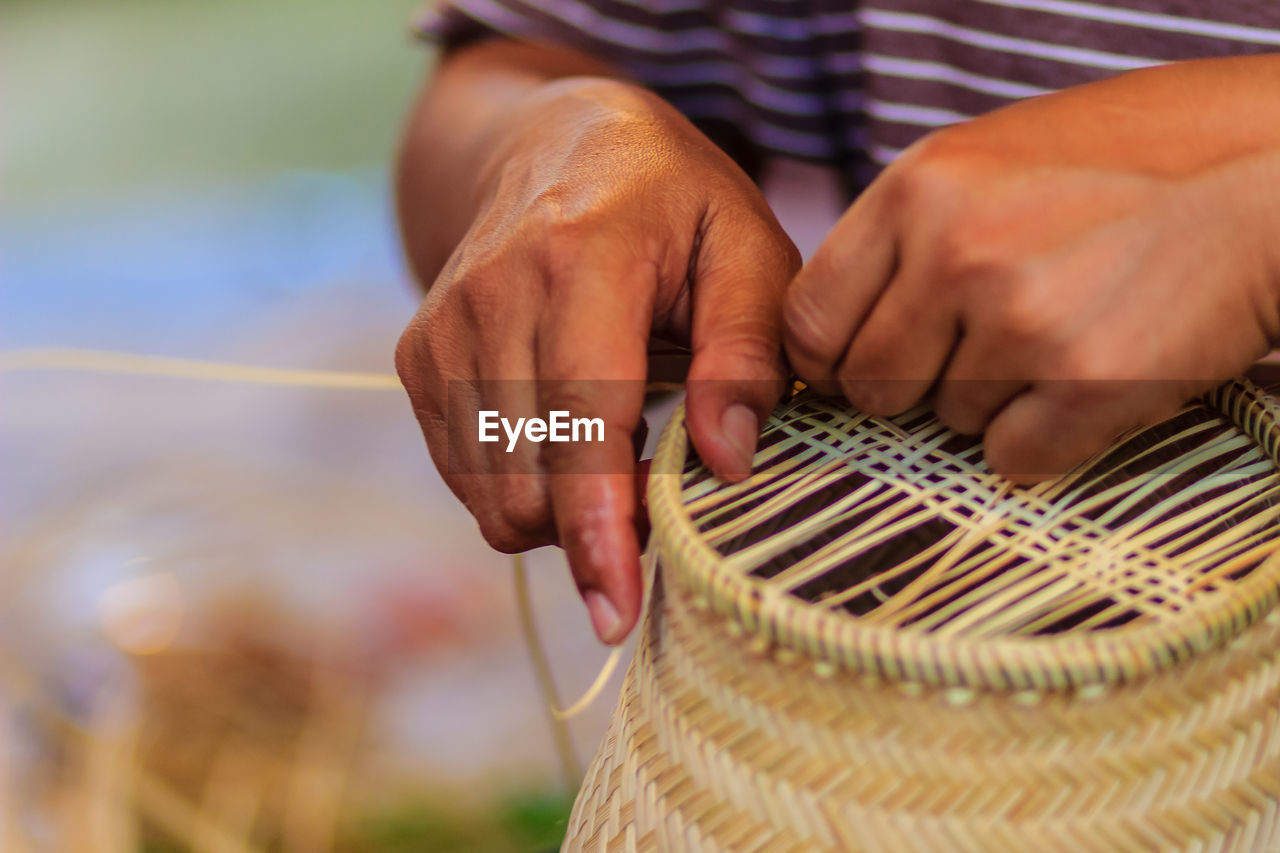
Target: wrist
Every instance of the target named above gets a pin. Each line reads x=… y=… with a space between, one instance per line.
x=557 y=113
x=571 y=126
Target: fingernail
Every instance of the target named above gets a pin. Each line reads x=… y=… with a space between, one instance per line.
x=604 y=616
x=741 y=429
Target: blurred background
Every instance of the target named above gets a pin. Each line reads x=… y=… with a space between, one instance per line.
x=241 y=617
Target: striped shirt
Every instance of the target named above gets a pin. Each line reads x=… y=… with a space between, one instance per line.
x=851 y=84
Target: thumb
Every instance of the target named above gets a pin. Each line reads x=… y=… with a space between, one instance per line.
x=737 y=374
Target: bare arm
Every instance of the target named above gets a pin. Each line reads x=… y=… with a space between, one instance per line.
x=456 y=130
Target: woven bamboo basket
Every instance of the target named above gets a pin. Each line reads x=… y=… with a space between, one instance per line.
x=875 y=644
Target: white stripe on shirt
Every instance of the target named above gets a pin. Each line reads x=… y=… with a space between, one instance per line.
x=883 y=154
x=912 y=114
x=1145 y=20
x=909 y=23
x=914 y=69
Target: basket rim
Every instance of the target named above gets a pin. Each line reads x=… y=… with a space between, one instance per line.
x=841 y=640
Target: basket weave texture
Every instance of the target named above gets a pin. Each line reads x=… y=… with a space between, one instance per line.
x=1105 y=676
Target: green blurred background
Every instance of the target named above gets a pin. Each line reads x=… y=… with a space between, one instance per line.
x=114 y=96
x=240 y=618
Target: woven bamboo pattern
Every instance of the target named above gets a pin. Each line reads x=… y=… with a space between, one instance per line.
x=875 y=644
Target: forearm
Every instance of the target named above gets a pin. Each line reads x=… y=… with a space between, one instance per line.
x=1171 y=121
x=1209 y=126
x=456 y=127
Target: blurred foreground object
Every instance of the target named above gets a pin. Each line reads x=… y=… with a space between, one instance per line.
x=873 y=643
x=256 y=735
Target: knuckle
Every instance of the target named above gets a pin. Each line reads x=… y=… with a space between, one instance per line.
x=564 y=235
x=503 y=539
x=877 y=347
x=971 y=250
x=961 y=256
x=939 y=185
x=747 y=341
x=525 y=509
x=408 y=358
x=513 y=526
x=479 y=292
x=1087 y=371
x=439 y=335
x=774 y=253
x=579 y=396
x=416 y=361
x=1022 y=317
x=931 y=173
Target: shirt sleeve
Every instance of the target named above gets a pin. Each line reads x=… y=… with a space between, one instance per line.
x=453 y=24
x=749 y=81
x=444 y=25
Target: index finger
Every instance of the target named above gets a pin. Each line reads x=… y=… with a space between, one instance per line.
x=836 y=289
x=591 y=351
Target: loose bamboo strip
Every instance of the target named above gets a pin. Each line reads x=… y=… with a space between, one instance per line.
x=569 y=766
x=183 y=368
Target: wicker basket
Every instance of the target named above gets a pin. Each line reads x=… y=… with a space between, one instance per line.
x=876 y=645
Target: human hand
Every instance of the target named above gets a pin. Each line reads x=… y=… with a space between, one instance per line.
x=1040 y=285
x=607 y=219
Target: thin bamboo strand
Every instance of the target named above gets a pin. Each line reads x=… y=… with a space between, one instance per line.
x=105 y=361
x=570 y=767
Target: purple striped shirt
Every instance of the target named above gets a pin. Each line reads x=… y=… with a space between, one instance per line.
x=851 y=84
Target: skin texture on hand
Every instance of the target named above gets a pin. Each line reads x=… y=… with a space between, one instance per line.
x=1061 y=270
x=593 y=217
